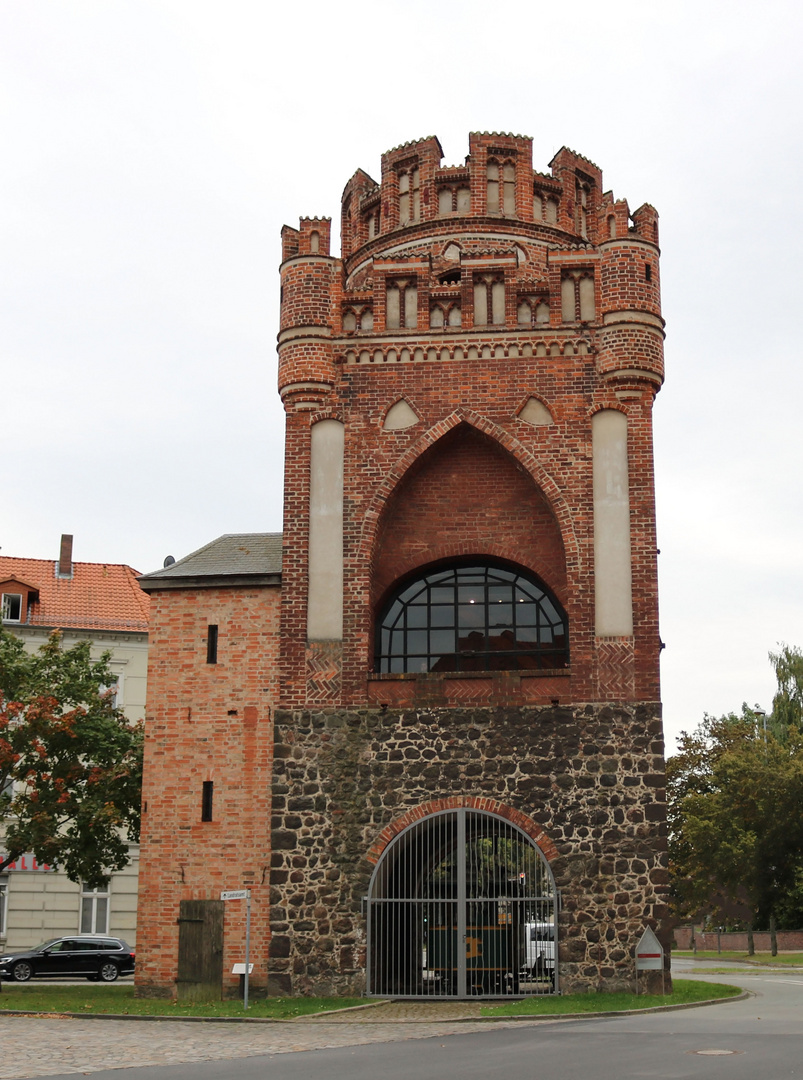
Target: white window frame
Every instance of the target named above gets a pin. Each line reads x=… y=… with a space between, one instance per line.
x=6 y=606
x=94 y=895
x=3 y=904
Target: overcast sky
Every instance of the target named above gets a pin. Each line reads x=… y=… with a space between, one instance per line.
x=153 y=150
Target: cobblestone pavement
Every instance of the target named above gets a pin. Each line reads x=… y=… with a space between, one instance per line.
x=46 y=1045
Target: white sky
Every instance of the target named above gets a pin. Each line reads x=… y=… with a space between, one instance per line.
x=153 y=150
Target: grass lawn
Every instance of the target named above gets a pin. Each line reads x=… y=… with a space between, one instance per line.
x=121 y=1000
x=792 y=959
x=685 y=992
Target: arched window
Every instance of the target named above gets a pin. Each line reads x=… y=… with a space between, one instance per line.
x=477 y=617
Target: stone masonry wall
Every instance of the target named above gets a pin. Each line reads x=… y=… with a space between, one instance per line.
x=592 y=778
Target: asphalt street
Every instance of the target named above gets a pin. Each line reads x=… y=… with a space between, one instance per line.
x=760 y=1037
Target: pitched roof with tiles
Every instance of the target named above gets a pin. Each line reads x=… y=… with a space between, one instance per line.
x=98 y=596
x=229 y=560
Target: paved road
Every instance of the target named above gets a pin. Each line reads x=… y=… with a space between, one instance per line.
x=762 y=1037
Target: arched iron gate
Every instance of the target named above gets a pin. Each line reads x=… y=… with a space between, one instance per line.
x=462 y=904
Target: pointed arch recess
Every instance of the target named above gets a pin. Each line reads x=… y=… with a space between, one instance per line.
x=539 y=475
x=468 y=802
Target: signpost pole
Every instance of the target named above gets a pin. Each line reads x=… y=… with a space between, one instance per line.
x=247 y=945
x=242 y=894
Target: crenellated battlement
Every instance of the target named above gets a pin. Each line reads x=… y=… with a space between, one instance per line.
x=497 y=181
x=491 y=247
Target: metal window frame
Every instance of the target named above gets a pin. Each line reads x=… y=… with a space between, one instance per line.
x=542 y=652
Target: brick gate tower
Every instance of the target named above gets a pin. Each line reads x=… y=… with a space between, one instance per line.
x=459 y=707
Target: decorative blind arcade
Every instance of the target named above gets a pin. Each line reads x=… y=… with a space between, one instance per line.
x=471 y=618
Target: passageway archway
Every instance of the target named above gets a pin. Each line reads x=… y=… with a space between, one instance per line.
x=462 y=903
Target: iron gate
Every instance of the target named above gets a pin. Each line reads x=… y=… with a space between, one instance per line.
x=462 y=904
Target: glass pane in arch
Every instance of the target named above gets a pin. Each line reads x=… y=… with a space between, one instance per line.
x=476 y=617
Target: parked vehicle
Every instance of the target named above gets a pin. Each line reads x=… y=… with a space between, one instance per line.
x=539 y=951
x=95 y=958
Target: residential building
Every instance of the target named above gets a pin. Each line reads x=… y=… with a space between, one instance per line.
x=101 y=603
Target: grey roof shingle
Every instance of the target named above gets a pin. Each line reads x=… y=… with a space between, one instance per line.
x=255 y=558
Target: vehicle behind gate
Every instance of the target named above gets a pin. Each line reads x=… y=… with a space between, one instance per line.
x=462 y=904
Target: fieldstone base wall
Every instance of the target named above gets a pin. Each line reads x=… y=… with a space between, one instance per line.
x=591 y=776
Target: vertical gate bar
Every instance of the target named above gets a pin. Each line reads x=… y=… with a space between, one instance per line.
x=368 y=933
x=461 y=902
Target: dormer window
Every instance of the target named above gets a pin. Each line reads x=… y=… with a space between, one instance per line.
x=12 y=607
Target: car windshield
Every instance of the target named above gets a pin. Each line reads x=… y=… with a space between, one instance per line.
x=41 y=947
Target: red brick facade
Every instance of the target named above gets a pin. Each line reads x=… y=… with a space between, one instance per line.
x=206 y=722
x=478 y=320
x=527 y=489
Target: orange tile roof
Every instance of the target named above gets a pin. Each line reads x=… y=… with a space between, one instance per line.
x=99 y=596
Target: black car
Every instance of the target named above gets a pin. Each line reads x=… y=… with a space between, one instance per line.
x=93 y=958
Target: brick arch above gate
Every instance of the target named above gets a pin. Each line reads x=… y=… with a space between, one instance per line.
x=463 y=802
x=551 y=491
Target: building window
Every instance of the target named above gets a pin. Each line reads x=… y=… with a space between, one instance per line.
x=478 y=617
x=114 y=690
x=577 y=301
x=207 y=794
x=581 y=206
x=94 y=909
x=372 y=224
x=211 y=644
x=501 y=188
x=454 y=200
x=3 y=903
x=489 y=301
x=12 y=607
x=402 y=305
x=492 y=173
x=409 y=197
x=447 y=315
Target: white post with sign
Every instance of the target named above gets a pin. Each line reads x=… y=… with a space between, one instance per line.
x=650 y=956
x=243 y=894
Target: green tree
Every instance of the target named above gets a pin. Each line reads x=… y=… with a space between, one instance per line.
x=70 y=763
x=787 y=705
x=736 y=832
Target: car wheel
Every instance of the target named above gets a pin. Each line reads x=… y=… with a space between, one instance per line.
x=108 y=972
x=22 y=971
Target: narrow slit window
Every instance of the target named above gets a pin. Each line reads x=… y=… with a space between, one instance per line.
x=207 y=791
x=211 y=644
